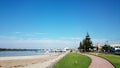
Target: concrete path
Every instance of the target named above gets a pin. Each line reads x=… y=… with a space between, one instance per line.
x=98 y=62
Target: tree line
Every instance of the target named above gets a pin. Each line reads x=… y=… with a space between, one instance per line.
x=5 y=49
x=86 y=45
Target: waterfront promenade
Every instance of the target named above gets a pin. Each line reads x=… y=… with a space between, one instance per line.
x=98 y=62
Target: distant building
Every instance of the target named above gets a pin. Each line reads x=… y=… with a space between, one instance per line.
x=66 y=49
x=115 y=48
x=99 y=47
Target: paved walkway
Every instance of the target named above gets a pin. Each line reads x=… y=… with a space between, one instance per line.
x=98 y=62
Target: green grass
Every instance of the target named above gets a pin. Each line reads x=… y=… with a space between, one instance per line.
x=114 y=59
x=74 y=60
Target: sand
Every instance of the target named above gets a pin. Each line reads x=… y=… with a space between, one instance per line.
x=41 y=61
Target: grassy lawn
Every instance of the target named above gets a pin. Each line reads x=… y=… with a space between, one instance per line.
x=74 y=60
x=114 y=59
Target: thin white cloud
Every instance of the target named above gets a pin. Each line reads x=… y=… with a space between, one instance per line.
x=17 y=32
x=20 y=42
x=28 y=33
x=7 y=37
x=45 y=43
x=71 y=38
x=99 y=40
x=50 y=41
x=39 y=33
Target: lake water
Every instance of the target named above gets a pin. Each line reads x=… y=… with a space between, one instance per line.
x=20 y=53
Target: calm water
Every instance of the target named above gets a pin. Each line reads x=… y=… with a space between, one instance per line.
x=20 y=53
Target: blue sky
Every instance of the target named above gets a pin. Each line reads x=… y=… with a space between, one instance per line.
x=57 y=23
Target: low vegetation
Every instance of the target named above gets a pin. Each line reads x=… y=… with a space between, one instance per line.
x=74 y=60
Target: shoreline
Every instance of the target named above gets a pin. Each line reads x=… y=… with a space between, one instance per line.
x=21 y=57
x=41 y=61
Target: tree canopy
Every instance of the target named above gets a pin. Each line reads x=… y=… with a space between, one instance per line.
x=106 y=47
x=86 y=44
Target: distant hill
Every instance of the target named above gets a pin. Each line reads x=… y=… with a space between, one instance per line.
x=6 y=49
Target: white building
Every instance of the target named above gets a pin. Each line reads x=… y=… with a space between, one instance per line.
x=115 y=48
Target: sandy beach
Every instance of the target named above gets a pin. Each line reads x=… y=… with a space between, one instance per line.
x=41 y=61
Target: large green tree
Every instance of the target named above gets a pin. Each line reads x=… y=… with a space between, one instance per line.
x=86 y=44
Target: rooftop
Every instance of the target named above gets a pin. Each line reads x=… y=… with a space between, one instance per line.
x=113 y=45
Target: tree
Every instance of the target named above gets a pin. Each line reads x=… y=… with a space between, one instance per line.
x=106 y=47
x=86 y=44
x=81 y=47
